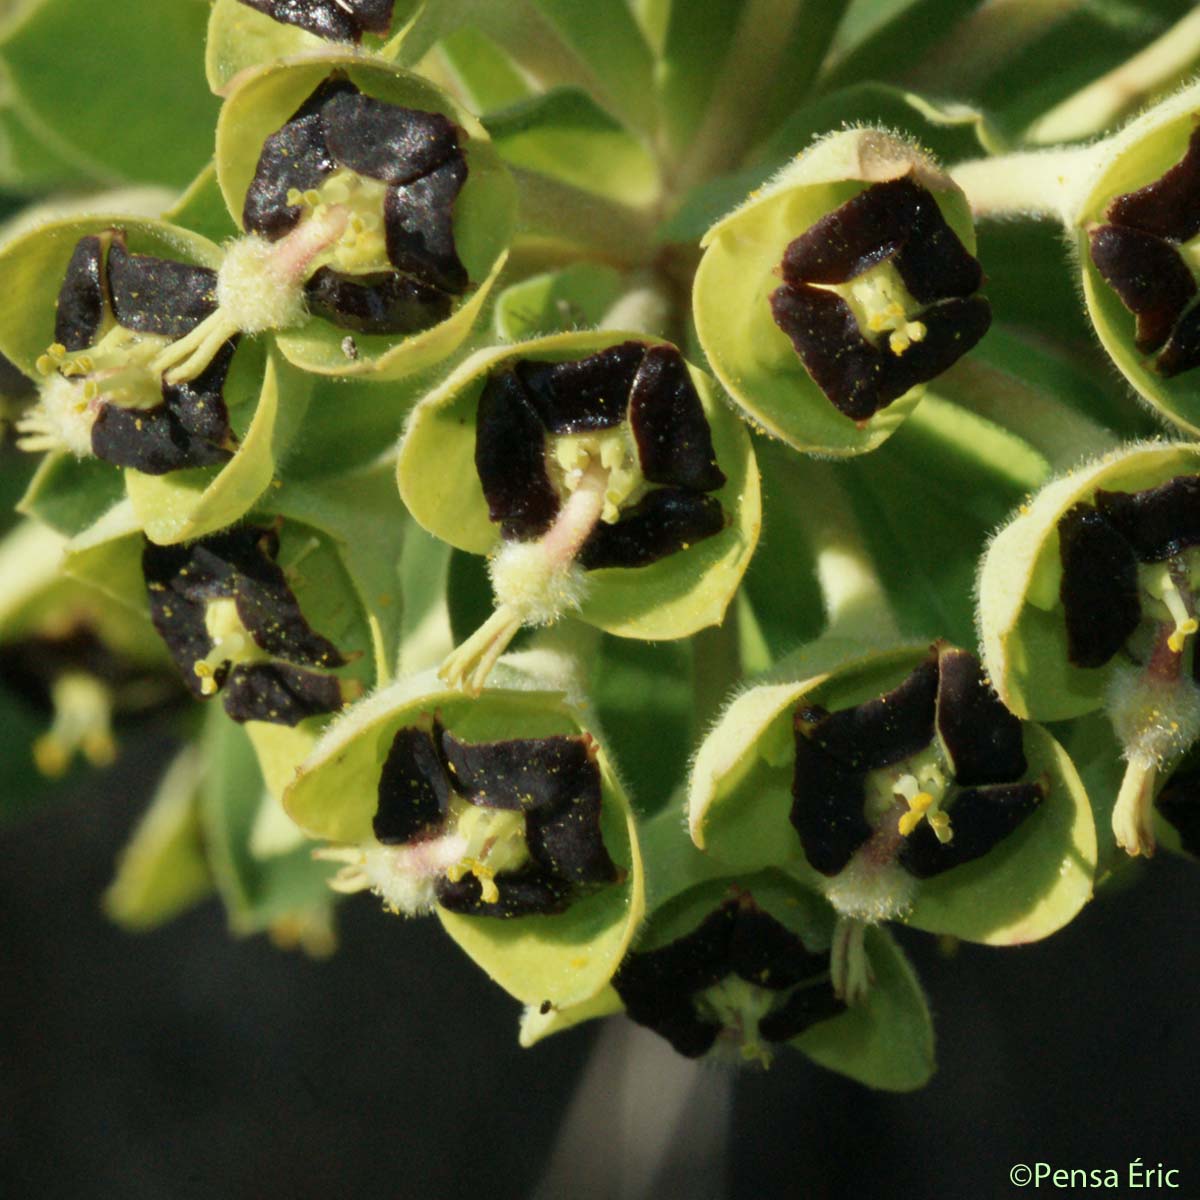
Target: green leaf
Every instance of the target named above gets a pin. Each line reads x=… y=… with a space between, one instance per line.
x=926 y=528
x=781 y=582
x=369 y=551
x=1055 y=397
x=70 y=494
x=202 y=209
x=698 y=38
x=124 y=97
x=566 y=135
x=889 y=41
x=637 y=687
x=484 y=75
x=1087 y=41
x=108 y=556
x=162 y=870
x=348 y=424
x=256 y=891
x=468 y=594
x=886 y=1042
x=425 y=633
x=614 y=61
x=556 y=302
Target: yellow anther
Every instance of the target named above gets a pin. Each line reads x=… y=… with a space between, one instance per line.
x=489 y=893
x=922 y=805
x=51 y=756
x=82 y=723
x=208 y=685
x=939 y=822
x=295 y=196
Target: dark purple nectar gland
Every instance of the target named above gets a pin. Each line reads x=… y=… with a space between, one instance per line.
x=232 y=624
x=498 y=829
x=1145 y=253
x=905 y=787
x=333 y=20
x=599 y=462
x=738 y=985
x=350 y=218
x=72 y=677
x=1130 y=572
x=100 y=394
x=878 y=297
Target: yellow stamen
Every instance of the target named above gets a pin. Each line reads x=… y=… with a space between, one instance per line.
x=1163 y=586
x=923 y=805
x=82 y=723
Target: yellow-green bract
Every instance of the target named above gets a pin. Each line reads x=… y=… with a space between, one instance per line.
x=670 y=598
x=740 y=797
x=564 y=958
x=751 y=356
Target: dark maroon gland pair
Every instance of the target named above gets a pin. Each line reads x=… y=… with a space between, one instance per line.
x=1101 y=545
x=155 y=296
x=418 y=156
x=648 y=386
x=897 y=222
x=239 y=564
x=947 y=697
x=334 y=20
x=555 y=782
x=661 y=988
x=1138 y=254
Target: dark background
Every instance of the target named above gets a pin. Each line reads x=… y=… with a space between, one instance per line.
x=182 y=1064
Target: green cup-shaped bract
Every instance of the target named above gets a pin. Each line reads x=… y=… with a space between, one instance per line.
x=241 y=37
x=1021 y=617
x=885 y=1042
x=330 y=595
x=265 y=99
x=1138 y=156
x=749 y=353
x=565 y=957
x=670 y=598
x=265 y=398
x=741 y=793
